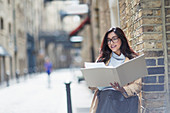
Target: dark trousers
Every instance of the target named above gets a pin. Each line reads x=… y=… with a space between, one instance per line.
x=111 y=101
x=48 y=72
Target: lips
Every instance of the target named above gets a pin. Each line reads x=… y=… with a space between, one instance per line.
x=113 y=46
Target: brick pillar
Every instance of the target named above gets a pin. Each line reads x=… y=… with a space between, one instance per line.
x=142 y=23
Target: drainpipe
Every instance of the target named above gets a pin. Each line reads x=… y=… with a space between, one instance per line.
x=91 y=36
x=165 y=56
x=15 y=40
x=11 y=67
x=114 y=13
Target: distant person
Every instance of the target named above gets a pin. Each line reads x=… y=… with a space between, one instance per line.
x=48 y=69
x=115 y=50
x=48 y=66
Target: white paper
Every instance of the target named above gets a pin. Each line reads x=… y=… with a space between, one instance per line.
x=123 y=74
x=94 y=65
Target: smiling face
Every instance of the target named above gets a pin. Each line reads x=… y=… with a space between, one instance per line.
x=114 y=43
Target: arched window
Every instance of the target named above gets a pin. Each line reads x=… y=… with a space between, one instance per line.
x=9 y=28
x=1 y=23
x=9 y=1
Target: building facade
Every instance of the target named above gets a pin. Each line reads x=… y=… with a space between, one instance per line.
x=20 y=24
x=6 y=43
x=57 y=24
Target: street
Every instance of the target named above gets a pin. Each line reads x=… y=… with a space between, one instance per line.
x=34 y=96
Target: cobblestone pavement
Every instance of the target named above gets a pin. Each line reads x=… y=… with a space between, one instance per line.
x=34 y=96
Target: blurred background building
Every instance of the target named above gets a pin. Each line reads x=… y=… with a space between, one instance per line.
x=32 y=30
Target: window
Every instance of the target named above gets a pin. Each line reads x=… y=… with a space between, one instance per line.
x=9 y=1
x=9 y=28
x=2 y=24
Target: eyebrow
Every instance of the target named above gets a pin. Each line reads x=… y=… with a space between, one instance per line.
x=113 y=37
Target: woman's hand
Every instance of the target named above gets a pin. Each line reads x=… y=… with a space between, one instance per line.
x=117 y=87
x=92 y=88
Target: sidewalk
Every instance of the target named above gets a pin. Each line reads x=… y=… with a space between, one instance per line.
x=21 y=79
x=33 y=95
x=81 y=97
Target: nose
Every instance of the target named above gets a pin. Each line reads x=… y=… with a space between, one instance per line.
x=112 y=42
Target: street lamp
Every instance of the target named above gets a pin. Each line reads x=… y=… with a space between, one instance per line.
x=77 y=39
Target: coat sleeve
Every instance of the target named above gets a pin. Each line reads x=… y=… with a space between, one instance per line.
x=94 y=103
x=133 y=88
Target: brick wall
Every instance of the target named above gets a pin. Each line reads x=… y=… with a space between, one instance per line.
x=142 y=23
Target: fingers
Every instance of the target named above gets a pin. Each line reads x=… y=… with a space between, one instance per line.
x=115 y=85
x=92 y=88
x=112 y=85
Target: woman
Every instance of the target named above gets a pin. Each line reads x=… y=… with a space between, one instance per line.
x=115 y=50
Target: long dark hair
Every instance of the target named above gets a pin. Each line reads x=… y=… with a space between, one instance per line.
x=125 y=49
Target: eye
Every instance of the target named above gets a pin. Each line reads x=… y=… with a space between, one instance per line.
x=109 y=40
x=115 y=38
